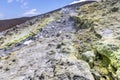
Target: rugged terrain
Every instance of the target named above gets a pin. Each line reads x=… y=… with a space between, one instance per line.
x=10 y=23
x=76 y=42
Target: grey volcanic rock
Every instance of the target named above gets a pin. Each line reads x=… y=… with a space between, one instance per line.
x=62 y=70
x=34 y=62
x=49 y=55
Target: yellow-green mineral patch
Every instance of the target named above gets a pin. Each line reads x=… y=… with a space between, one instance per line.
x=23 y=33
x=109 y=49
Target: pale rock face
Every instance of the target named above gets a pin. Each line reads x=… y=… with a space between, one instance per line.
x=88 y=56
x=27 y=42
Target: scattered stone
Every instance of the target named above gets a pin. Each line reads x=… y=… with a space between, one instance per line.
x=96 y=75
x=58 y=46
x=7 y=69
x=61 y=70
x=114 y=9
x=27 y=42
x=88 y=56
x=51 y=52
x=1 y=67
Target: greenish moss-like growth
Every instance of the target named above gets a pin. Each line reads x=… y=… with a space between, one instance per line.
x=82 y=23
x=107 y=54
x=29 y=33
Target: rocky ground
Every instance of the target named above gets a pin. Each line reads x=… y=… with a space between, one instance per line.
x=9 y=23
x=73 y=43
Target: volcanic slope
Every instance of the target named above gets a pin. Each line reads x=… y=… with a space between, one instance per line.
x=76 y=42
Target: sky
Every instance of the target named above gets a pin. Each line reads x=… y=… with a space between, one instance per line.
x=23 y=8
